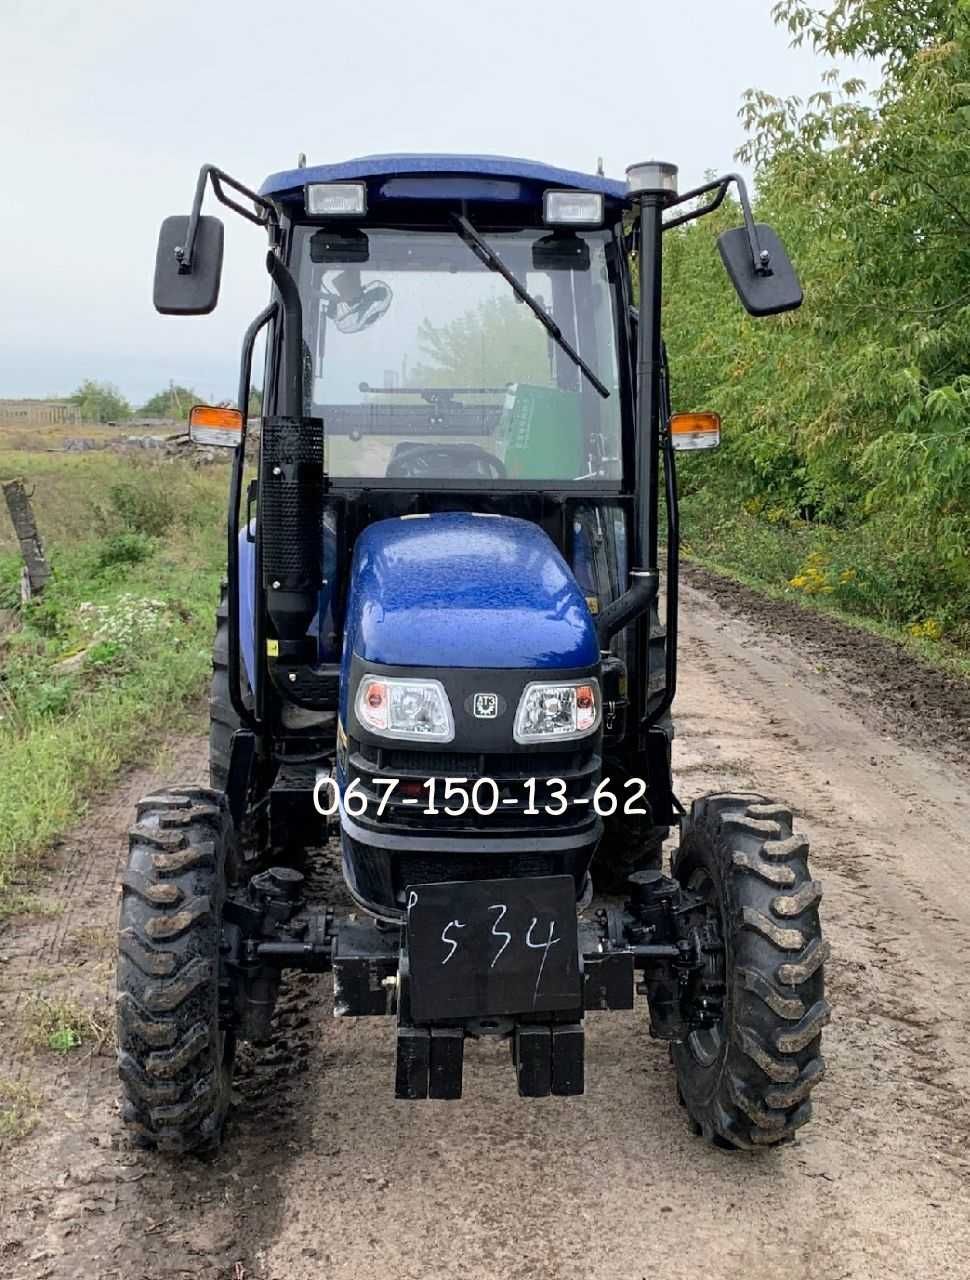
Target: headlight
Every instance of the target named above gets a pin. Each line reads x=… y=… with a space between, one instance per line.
x=570 y=710
x=394 y=708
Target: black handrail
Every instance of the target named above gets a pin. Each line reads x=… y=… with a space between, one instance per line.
x=292 y=399
x=246 y=716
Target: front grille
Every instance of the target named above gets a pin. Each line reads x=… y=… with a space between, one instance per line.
x=579 y=770
x=380 y=877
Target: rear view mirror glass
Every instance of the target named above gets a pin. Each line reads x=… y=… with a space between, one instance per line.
x=195 y=292
x=762 y=293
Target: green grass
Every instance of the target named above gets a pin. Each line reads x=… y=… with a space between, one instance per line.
x=62 y=1023
x=854 y=573
x=137 y=550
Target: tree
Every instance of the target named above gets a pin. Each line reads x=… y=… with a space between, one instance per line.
x=857 y=408
x=495 y=342
x=100 y=402
x=174 y=402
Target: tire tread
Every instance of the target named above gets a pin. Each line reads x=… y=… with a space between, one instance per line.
x=758 y=1094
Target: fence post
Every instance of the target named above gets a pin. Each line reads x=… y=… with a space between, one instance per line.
x=36 y=568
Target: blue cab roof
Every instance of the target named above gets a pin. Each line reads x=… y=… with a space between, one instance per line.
x=290 y=182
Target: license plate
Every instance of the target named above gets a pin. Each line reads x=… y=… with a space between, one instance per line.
x=490 y=948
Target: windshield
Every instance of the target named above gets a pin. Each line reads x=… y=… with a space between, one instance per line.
x=425 y=365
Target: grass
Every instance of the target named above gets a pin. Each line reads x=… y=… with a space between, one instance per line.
x=116 y=653
x=19 y=1110
x=35 y=437
x=62 y=1024
x=853 y=573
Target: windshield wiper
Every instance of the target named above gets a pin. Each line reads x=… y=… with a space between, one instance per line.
x=483 y=250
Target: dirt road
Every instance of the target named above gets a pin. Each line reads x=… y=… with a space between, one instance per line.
x=323 y=1175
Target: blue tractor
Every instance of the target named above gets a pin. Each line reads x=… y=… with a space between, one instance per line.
x=442 y=646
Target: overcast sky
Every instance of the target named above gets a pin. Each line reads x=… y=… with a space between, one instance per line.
x=109 y=107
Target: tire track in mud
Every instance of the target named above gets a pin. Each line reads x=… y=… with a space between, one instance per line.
x=323 y=1173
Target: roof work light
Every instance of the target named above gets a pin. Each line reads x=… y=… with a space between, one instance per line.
x=336 y=199
x=572 y=208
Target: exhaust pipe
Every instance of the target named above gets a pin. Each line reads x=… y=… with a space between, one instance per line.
x=291 y=488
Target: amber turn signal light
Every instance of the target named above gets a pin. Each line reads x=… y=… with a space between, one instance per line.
x=214 y=425
x=695 y=430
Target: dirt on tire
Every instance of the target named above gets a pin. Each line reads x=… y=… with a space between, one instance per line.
x=323 y=1173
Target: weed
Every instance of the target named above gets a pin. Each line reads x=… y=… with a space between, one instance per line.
x=145 y=505
x=123 y=548
x=63 y=1023
x=52 y=697
x=19 y=1110
x=928 y=629
x=106 y=654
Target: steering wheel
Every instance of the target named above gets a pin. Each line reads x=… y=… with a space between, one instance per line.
x=444 y=462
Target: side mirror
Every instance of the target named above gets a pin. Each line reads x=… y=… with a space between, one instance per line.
x=194 y=292
x=763 y=292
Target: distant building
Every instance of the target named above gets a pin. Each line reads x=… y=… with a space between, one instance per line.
x=15 y=412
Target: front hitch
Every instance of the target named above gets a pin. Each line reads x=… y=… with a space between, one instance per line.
x=664 y=934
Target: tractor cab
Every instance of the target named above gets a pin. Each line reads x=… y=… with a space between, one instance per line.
x=441 y=652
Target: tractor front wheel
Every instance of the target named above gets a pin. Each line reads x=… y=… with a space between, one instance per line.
x=175 y=1052
x=746 y=1081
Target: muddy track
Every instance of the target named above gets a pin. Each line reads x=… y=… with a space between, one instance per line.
x=323 y=1174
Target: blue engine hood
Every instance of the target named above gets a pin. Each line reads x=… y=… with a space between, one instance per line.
x=461 y=590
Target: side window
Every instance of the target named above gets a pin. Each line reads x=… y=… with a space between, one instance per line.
x=596 y=553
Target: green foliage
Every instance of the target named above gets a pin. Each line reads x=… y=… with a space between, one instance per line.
x=138 y=607
x=106 y=654
x=496 y=342
x=172 y=402
x=852 y=415
x=144 y=503
x=100 y=402
x=62 y=1023
x=123 y=549
x=10 y=566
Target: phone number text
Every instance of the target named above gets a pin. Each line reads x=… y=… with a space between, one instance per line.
x=482 y=796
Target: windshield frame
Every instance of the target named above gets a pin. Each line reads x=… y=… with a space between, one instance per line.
x=619 y=294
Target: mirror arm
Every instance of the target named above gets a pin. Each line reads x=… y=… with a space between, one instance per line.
x=267 y=216
x=760 y=258
x=719 y=186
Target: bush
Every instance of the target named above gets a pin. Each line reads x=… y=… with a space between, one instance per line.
x=144 y=504
x=50 y=698
x=123 y=548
